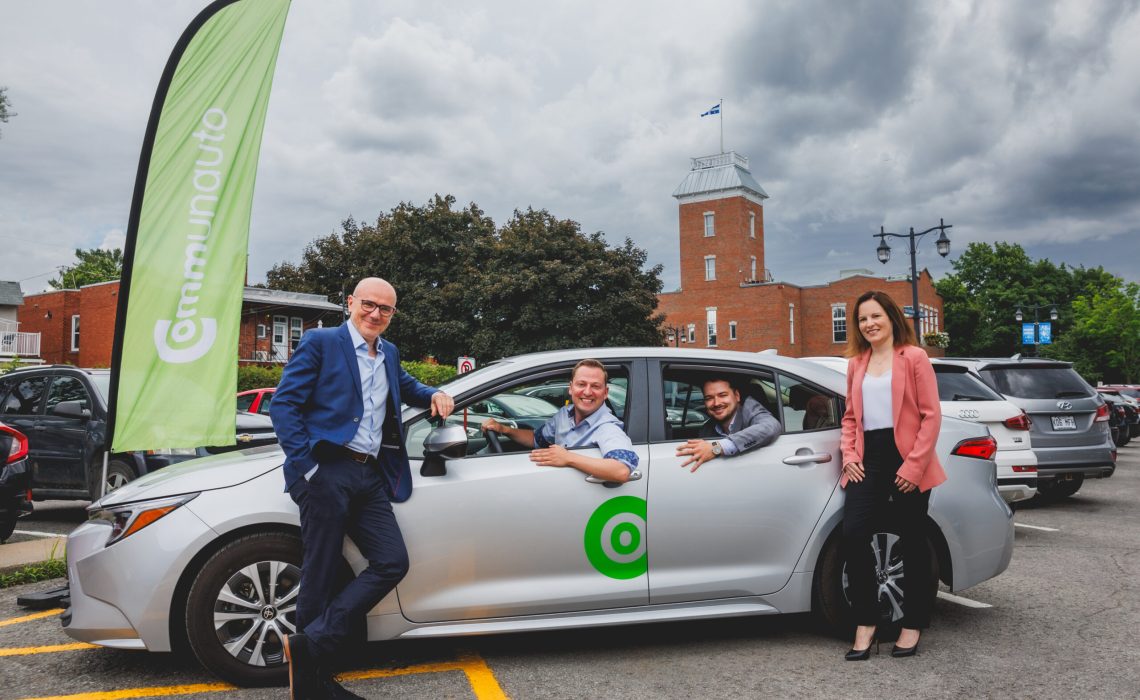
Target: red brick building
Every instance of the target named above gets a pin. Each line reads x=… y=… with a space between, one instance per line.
x=77 y=326
x=729 y=300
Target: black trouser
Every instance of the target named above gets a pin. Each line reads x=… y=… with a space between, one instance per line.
x=876 y=503
x=344 y=497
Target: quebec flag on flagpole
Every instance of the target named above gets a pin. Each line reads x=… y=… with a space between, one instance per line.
x=715 y=109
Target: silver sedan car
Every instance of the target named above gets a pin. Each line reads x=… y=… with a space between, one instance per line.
x=208 y=551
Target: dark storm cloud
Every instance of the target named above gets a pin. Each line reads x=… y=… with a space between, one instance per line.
x=857 y=56
x=1094 y=178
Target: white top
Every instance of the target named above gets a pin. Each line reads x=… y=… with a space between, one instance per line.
x=877 y=402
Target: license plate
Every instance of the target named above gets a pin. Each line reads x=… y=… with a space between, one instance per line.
x=1064 y=423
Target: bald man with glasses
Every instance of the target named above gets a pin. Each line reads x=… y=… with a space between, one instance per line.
x=337 y=417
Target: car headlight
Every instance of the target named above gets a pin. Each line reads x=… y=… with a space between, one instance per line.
x=181 y=451
x=128 y=518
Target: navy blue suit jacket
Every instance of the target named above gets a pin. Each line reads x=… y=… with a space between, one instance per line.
x=319 y=399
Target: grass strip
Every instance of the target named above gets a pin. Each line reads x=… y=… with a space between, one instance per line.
x=41 y=571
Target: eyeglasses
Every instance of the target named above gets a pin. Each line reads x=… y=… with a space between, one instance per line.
x=369 y=306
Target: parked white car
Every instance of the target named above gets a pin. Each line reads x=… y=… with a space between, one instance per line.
x=963 y=395
x=209 y=551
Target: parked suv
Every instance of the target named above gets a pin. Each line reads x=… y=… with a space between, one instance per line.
x=63 y=412
x=1069 y=420
x=963 y=395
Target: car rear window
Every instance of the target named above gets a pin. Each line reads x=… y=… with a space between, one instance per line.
x=1037 y=382
x=963 y=386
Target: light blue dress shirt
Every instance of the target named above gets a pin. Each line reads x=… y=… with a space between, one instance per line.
x=374 y=389
x=600 y=429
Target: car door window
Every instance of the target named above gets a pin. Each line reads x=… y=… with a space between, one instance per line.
x=67 y=389
x=526 y=403
x=807 y=407
x=24 y=397
x=684 y=397
x=244 y=402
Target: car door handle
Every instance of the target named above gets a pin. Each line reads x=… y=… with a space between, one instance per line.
x=633 y=476
x=806 y=456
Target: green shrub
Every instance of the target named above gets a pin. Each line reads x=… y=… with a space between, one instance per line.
x=258 y=377
x=428 y=372
x=41 y=571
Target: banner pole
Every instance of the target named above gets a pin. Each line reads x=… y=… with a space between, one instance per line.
x=103 y=480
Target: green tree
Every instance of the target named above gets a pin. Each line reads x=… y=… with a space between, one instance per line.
x=5 y=106
x=1104 y=341
x=466 y=288
x=548 y=286
x=95 y=265
x=980 y=296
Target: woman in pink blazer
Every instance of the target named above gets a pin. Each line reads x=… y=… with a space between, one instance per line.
x=889 y=466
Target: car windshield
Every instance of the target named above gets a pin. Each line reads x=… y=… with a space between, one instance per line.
x=520 y=405
x=102 y=382
x=1037 y=382
x=963 y=386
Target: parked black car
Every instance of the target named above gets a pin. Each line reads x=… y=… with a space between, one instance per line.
x=63 y=411
x=15 y=480
x=1117 y=420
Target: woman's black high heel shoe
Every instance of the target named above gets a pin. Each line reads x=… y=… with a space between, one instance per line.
x=862 y=654
x=901 y=652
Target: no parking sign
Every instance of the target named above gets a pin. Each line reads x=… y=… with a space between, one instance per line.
x=465 y=364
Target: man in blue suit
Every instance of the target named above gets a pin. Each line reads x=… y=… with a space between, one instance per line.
x=337 y=417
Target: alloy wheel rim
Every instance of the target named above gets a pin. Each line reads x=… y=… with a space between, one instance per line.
x=888 y=573
x=255 y=609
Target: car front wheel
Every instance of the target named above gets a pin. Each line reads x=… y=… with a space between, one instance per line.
x=242 y=605
x=833 y=605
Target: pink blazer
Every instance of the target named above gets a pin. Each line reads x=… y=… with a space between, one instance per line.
x=917 y=415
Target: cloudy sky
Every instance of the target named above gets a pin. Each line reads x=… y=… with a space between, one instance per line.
x=1013 y=121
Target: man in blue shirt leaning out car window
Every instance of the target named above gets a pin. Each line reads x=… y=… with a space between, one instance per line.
x=586 y=422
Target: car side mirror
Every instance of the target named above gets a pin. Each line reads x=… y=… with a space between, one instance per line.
x=70 y=409
x=443 y=443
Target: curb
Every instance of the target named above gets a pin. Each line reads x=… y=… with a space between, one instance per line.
x=16 y=555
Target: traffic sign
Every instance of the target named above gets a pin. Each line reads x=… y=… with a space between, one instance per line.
x=465 y=364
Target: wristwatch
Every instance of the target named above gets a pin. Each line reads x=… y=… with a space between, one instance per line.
x=717 y=449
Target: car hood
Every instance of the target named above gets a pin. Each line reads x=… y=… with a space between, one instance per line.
x=205 y=474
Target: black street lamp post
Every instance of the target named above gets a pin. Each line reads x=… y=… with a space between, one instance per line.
x=884 y=253
x=1036 y=324
x=674 y=333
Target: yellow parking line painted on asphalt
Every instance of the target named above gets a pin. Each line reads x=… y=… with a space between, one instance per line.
x=28 y=618
x=476 y=670
x=479 y=675
x=145 y=692
x=482 y=680
x=26 y=651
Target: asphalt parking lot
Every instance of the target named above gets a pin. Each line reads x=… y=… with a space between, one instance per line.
x=1059 y=623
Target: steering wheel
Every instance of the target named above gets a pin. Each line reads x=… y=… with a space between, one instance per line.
x=493 y=443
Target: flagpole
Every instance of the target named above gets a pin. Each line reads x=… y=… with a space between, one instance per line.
x=721 y=113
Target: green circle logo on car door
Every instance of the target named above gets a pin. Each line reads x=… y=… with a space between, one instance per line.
x=615 y=538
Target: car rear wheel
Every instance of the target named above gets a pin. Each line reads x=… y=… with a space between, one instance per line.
x=8 y=523
x=241 y=606
x=832 y=604
x=1062 y=486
